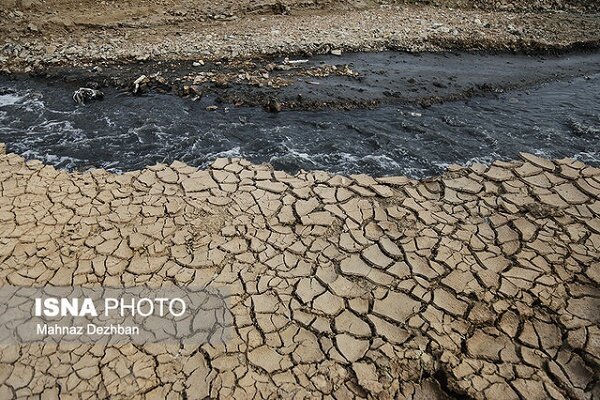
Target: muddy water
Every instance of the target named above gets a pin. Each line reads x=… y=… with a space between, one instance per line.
x=558 y=116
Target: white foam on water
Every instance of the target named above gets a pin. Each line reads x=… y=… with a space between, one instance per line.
x=234 y=152
x=383 y=160
x=61 y=161
x=301 y=155
x=588 y=156
x=10 y=99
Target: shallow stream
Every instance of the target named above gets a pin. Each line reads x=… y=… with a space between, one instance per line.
x=557 y=118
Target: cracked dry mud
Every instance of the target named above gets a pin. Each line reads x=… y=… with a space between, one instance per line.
x=481 y=283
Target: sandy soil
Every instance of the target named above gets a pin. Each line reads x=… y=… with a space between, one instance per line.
x=35 y=34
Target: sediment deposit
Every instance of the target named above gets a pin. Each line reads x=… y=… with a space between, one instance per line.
x=91 y=34
x=481 y=283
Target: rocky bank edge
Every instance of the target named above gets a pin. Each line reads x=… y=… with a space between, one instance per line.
x=91 y=34
x=481 y=283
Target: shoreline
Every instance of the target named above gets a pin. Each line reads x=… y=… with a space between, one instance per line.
x=44 y=42
x=182 y=51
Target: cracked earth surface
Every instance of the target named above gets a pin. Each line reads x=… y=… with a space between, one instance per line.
x=481 y=283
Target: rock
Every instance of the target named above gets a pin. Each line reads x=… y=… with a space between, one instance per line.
x=336 y=52
x=28 y=4
x=273 y=105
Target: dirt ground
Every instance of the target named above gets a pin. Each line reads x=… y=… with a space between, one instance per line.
x=35 y=34
x=479 y=284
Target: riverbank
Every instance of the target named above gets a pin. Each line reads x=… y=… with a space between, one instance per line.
x=482 y=282
x=90 y=35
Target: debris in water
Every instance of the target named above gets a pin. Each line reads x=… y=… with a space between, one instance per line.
x=138 y=82
x=288 y=61
x=83 y=95
x=273 y=105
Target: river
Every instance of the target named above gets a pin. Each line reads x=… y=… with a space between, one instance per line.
x=556 y=117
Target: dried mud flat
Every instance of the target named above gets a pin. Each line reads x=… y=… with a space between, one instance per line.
x=481 y=283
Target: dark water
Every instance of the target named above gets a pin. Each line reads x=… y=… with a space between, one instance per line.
x=556 y=119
